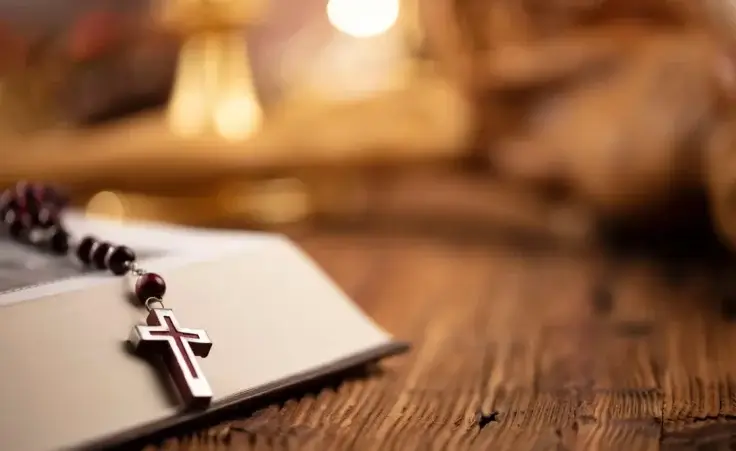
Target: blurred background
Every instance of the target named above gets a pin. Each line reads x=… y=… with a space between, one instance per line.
x=561 y=119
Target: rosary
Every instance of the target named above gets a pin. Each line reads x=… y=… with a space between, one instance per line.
x=30 y=214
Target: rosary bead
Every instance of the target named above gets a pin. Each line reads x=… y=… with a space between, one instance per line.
x=20 y=188
x=99 y=255
x=59 y=242
x=46 y=218
x=119 y=260
x=150 y=285
x=31 y=200
x=15 y=206
x=54 y=197
x=15 y=211
x=38 y=192
x=17 y=229
x=84 y=249
x=4 y=211
x=5 y=197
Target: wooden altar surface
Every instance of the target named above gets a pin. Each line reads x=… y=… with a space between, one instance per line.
x=516 y=346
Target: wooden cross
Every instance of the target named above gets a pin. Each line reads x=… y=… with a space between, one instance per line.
x=162 y=336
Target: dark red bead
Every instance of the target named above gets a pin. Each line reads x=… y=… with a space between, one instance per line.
x=84 y=249
x=59 y=242
x=5 y=197
x=15 y=211
x=46 y=218
x=150 y=285
x=18 y=229
x=19 y=196
x=15 y=205
x=4 y=212
x=99 y=255
x=32 y=198
x=120 y=259
x=47 y=195
x=38 y=192
x=20 y=188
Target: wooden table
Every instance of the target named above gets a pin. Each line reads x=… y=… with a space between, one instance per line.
x=517 y=344
x=515 y=347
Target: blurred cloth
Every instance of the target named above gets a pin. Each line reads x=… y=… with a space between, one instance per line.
x=612 y=103
x=89 y=59
x=115 y=55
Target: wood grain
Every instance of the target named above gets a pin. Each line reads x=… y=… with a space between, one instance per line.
x=513 y=350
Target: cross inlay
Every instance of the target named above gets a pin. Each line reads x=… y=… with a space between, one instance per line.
x=178 y=347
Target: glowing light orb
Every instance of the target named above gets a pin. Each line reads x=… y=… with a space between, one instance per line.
x=107 y=204
x=238 y=117
x=363 y=18
x=214 y=91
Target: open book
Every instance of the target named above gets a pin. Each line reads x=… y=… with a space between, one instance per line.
x=274 y=318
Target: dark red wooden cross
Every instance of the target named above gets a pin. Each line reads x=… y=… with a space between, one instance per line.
x=162 y=336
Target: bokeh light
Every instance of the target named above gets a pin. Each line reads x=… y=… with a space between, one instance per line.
x=363 y=18
x=107 y=204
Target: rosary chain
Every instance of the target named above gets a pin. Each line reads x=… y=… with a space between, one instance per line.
x=134 y=268
x=30 y=213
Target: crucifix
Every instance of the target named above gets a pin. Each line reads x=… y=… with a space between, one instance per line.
x=162 y=336
x=213 y=89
